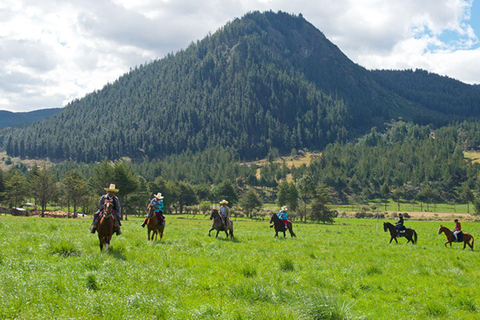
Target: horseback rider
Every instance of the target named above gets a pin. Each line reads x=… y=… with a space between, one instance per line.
x=283 y=215
x=157 y=203
x=399 y=225
x=224 y=213
x=117 y=210
x=457 y=231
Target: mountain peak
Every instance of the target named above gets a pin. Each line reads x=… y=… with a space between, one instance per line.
x=264 y=80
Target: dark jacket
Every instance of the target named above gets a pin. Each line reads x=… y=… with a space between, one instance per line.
x=400 y=221
x=116 y=203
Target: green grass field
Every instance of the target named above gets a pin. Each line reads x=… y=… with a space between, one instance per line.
x=52 y=268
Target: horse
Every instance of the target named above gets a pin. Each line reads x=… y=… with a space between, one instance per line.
x=280 y=226
x=410 y=234
x=106 y=225
x=218 y=225
x=153 y=224
x=450 y=238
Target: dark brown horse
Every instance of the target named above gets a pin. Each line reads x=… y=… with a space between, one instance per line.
x=450 y=238
x=279 y=226
x=219 y=226
x=106 y=225
x=410 y=234
x=153 y=224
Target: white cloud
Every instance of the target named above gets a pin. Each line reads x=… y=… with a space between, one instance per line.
x=54 y=51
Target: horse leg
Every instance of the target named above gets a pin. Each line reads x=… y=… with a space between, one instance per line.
x=149 y=234
x=210 y=231
x=284 y=235
x=276 y=234
x=161 y=233
x=217 y=233
x=464 y=245
x=396 y=240
x=231 y=234
x=107 y=243
x=390 y=240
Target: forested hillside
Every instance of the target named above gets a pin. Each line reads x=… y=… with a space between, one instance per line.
x=10 y=119
x=265 y=80
x=432 y=91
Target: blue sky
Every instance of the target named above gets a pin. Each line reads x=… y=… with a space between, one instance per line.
x=54 y=51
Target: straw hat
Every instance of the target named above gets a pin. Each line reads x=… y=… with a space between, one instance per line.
x=111 y=188
x=224 y=201
x=158 y=196
x=284 y=208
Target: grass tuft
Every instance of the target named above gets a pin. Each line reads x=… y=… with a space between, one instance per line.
x=324 y=307
x=286 y=264
x=91 y=282
x=435 y=309
x=249 y=271
x=373 y=269
x=64 y=248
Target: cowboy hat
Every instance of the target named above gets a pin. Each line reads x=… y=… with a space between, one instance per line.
x=111 y=188
x=224 y=202
x=158 y=196
x=284 y=208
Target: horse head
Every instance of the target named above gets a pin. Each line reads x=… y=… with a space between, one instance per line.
x=272 y=219
x=108 y=206
x=150 y=211
x=385 y=226
x=441 y=229
x=214 y=214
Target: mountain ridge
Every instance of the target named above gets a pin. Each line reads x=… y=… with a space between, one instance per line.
x=265 y=80
x=10 y=119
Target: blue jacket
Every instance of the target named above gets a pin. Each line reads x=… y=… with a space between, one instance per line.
x=157 y=204
x=283 y=215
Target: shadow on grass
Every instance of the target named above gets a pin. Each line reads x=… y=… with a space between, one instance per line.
x=234 y=240
x=117 y=253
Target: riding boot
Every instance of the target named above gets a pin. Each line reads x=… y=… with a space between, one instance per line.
x=93 y=227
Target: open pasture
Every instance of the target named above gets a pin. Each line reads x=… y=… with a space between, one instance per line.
x=52 y=268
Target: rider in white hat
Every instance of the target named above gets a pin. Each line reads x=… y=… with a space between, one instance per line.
x=283 y=215
x=116 y=209
x=157 y=203
x=224 y=212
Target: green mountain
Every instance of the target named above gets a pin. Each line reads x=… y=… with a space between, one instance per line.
x=10 y=119
x=265 y=80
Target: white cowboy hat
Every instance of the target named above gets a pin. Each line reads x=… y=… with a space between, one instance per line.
x=224 y=201
x=158 y=196
x=284 y=208
x=111 y=188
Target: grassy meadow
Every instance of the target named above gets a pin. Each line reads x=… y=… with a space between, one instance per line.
x=52 y=268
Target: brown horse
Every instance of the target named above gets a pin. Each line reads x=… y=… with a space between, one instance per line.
x=218 y=224
x=450 y=238
x=153 y=224
x=106 y=225
x=410 y=234
x=280 y=226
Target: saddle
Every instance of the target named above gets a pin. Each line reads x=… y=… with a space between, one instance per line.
x=459 y=236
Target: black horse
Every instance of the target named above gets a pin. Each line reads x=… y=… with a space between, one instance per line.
x=410 y=234
x=279 y=226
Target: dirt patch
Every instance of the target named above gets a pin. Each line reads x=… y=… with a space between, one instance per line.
x=57 y=214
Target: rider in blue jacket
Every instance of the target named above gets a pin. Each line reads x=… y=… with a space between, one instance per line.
x=157 y=203
x=283 y=215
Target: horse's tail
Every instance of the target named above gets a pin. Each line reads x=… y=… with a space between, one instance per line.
x=414 y=237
